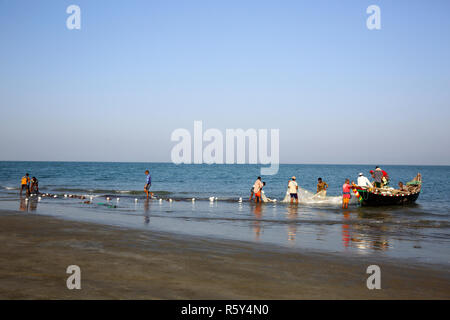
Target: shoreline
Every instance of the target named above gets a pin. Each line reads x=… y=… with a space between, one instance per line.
x=121 y=263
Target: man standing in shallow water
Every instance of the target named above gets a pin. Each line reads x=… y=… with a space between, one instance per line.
x=322 y=187
x=148 y=184
x=257 y=187
x=346 y=194
x=25 y=184
x=293 y=189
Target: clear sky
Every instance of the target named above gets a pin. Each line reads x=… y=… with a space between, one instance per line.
x=137 y=70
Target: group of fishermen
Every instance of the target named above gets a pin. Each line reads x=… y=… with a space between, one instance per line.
x=257 y=189
x=380 y=177
x=258 y=186
x=31 y=186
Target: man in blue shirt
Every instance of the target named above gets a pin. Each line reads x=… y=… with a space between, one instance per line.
x=148 y=184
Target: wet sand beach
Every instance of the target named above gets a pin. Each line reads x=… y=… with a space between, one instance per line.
x=120 y=263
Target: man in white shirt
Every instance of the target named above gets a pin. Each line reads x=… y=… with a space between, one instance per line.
x=363 y=181
x=293 y=188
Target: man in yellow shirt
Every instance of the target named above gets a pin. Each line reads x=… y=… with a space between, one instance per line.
x=25 y=184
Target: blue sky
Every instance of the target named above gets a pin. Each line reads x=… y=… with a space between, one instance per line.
x=137 y=70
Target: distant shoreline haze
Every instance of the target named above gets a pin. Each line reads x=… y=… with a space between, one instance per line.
x=281 y=163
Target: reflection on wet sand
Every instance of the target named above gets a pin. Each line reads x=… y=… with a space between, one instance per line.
x=33 y=204
x=23 y=206
x=346 y=230
x=361 y=235
x=28 y=204
x=356 y=233
x=292 y=226
x=257 y=212
x=147 y=211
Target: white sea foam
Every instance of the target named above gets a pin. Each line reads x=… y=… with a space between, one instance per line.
x=310 y=198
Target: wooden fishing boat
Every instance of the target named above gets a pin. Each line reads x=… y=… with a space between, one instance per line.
x=388 y=196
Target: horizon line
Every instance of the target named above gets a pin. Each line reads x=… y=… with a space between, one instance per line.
x=261 y=164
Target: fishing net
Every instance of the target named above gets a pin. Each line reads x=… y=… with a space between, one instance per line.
x=265 y=199
x=311 y=198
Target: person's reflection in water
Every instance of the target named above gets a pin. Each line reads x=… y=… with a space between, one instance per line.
x=371 y=236
x=33 y=204
x=292 y=225
x=380 y=243
x=321 y=229
x=23 y=206
x=147 y=211
x=257 y=211
x=364 y=237
x=346 y=230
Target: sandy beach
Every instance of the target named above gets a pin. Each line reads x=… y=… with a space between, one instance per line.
x=119 y=263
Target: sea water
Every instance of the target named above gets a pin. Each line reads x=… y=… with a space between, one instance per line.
x=419 y=232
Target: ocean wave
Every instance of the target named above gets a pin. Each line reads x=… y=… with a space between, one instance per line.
x=316 y=199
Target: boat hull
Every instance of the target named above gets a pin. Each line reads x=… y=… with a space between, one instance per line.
x=373 y=199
